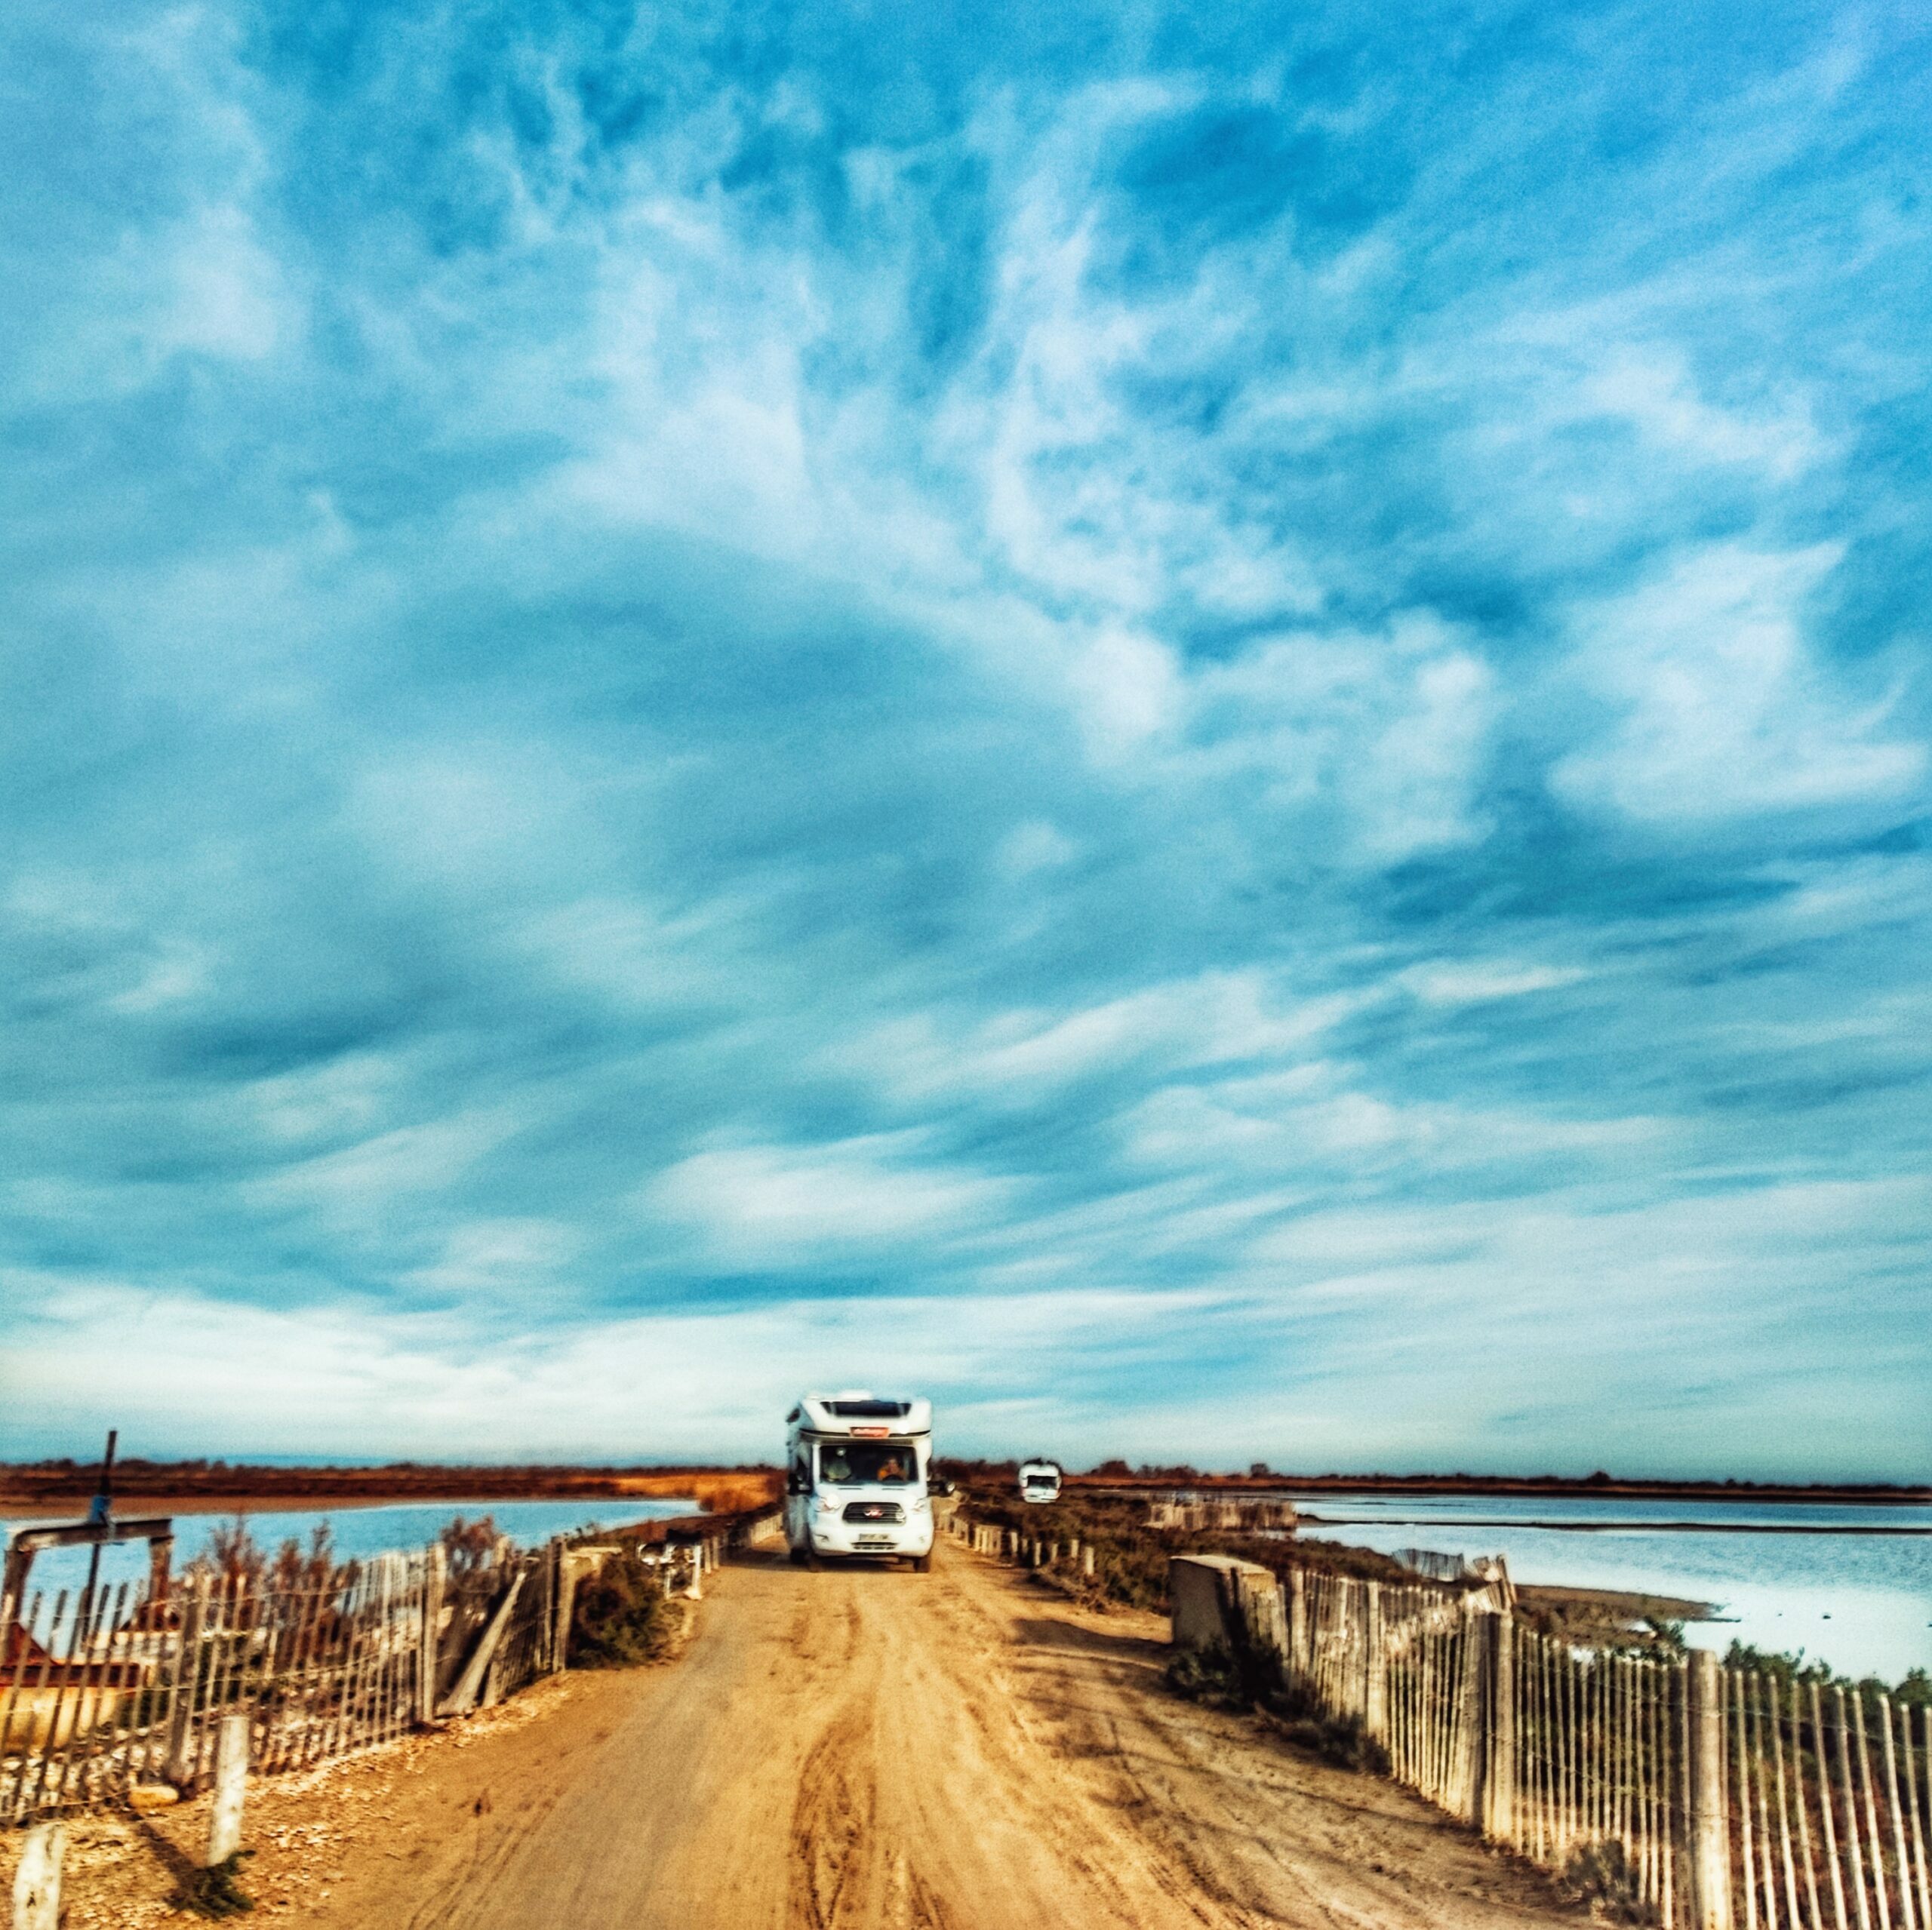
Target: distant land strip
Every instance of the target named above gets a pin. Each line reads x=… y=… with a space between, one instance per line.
x=203 y=1486
x=211 y=1487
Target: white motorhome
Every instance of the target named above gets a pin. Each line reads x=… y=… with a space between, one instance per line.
x=857 y=1480
x=1039 y=1481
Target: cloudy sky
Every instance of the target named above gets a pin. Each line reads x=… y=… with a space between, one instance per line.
x=1205 y=727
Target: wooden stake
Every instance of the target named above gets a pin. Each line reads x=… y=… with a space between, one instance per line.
x=1499 y=1781
x=1854 y=1857
x=1873 y=1840
x=37 y=1880
x=1908 y=1915
x=1710 y=1849
x=1825 y=1816
x=1784 y=1806
x=181 y=1764
x=231 y=1785
x=27 y=1793
x=1918 y=1792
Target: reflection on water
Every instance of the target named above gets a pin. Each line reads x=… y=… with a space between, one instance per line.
x=1860 y=1601
x=359 y=1532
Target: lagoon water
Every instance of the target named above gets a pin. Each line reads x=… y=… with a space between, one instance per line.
x=1861 y=1601
x=358 y=1531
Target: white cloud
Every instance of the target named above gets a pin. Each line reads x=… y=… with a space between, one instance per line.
x=1375 y=745
x=366 y=1189
x=643 y=955
x=1653 y=389
x=1127 y=690
x=1723 y=710
x=176 y=970
x=1215 y=1018
x=789 y=1206
x=671 y=1384
x=1464 y=982
x=521 y=1258
x=346 y=1098
x=226 y=294
x=1034 y=847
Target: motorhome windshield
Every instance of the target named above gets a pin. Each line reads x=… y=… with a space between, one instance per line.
x=866 y=1463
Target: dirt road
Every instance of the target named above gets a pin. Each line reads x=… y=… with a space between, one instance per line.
x=863 y=1749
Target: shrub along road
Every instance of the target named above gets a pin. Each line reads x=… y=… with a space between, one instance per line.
x=867 y=1748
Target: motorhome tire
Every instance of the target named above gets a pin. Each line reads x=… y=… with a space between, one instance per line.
x=922 y=1564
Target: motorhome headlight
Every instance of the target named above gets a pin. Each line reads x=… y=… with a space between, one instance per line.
x=921 y=1503
x=828 y=1504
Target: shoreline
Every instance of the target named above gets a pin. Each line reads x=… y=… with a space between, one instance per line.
x=1285 y=1486
x=1607 y=1527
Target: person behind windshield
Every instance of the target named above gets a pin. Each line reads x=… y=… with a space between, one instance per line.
x=835 y=1466
x=891 y=1468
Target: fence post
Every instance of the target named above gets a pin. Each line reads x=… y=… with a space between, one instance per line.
x=1468 y=1696
x=231 y=1784
x=1374 y=1666
x=182 y=1763
x=1297 y=1621
x=434 y=1565
x=1710 y=1847
x=553 y=1558
x=1499 y=1780
x=37 y=1881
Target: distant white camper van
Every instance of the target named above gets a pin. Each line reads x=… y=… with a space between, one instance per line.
x=857 y=1474
x=1039 y=1481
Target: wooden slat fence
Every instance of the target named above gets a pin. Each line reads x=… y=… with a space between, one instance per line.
x=1687 y=1794
x=99 y=1693
x=1692 y=1793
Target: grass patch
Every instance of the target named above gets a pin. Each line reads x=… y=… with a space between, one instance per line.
x=216 y=1891
x=1601 y=1875
x=1341 y=1740
x=622 y=1618
x=1210 y=1677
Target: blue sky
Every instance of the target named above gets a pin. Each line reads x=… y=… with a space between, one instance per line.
x=1207 y=729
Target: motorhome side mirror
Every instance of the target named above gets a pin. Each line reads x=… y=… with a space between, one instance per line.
x=796 y=1484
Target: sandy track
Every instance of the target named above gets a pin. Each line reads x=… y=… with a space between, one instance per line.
x=861 y=1749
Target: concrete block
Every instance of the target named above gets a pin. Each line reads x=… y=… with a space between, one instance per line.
x=1202 y=1590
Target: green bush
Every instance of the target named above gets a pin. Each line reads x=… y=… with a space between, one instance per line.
x=214 y=1891
x=1207 y=1676
x=1342 y=1741
x=623 y=1618
x=1601 y=1875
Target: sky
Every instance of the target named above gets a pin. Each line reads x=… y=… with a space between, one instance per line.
x=1205 y=728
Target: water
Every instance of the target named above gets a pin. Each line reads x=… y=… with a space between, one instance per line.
x=1861 y=1601
x=359 y=1532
